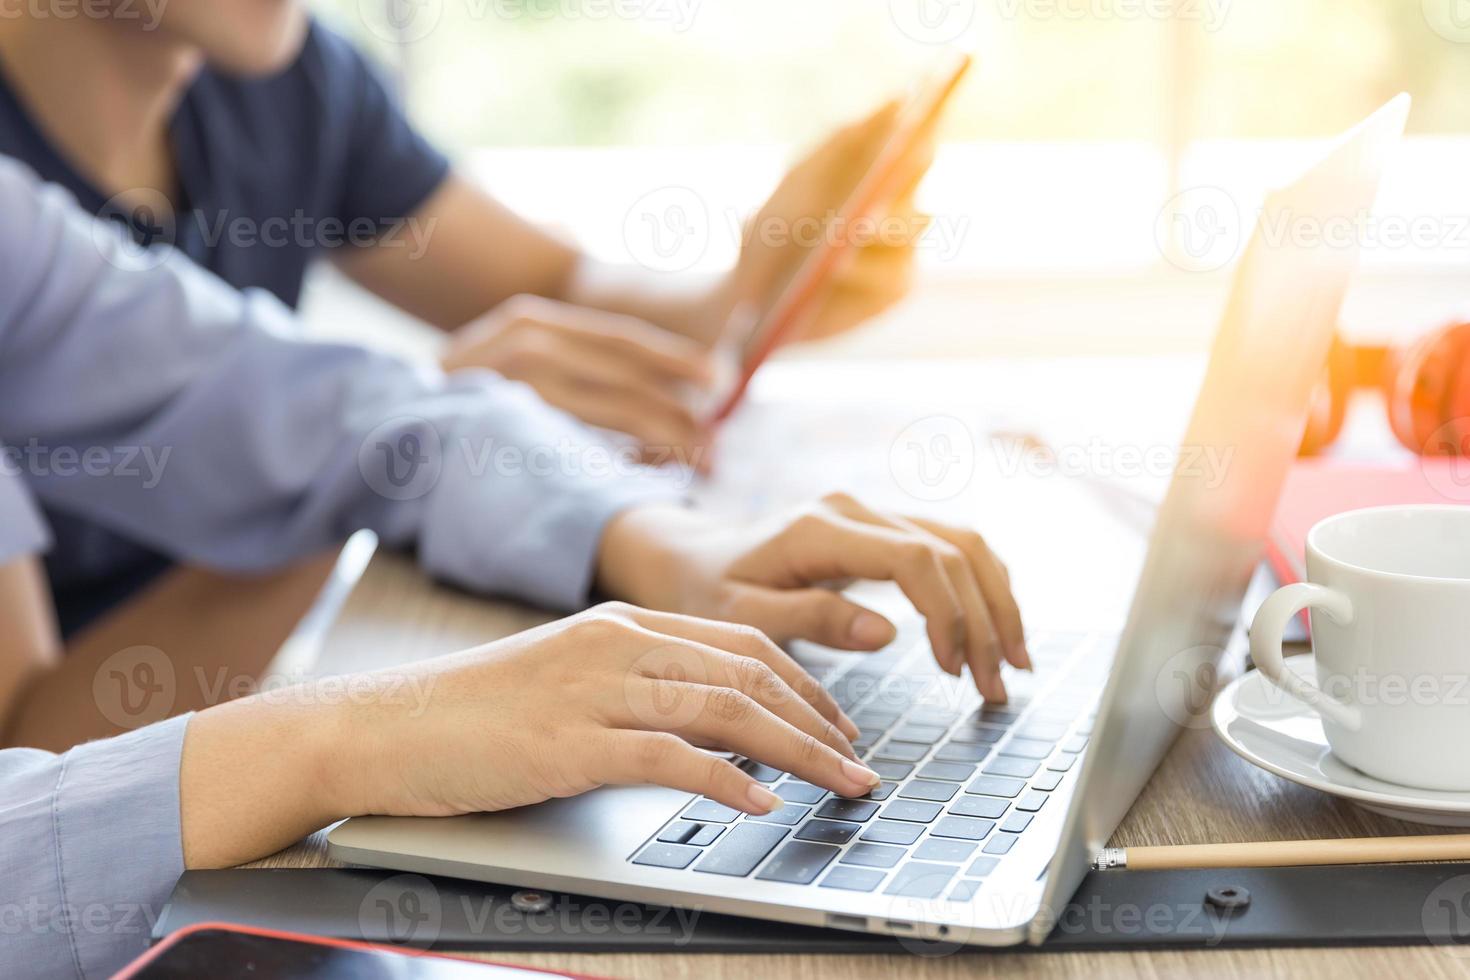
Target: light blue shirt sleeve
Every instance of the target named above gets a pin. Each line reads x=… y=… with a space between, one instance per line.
x=140 y=392
x=22 y=529
x=90 y=848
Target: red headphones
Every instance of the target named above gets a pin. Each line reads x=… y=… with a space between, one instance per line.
x=1426 y=385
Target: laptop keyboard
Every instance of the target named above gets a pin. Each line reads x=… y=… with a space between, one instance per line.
x=962 y=780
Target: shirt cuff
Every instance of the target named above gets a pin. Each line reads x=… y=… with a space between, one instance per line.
x=119 y=841
x=22 y=529
x=525 y=517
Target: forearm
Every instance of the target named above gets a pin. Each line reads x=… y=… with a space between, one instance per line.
x=261 y=773
x=29 y=645
x=695 y=305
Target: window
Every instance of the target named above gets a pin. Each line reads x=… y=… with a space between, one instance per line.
x=1085 y=121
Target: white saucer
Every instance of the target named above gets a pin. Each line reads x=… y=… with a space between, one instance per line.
x=1273 y=730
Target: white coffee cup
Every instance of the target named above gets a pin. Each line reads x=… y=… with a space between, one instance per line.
x=1389 y=590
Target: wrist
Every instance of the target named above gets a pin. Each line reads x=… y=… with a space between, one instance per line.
x=637 y=560
x=260 y=774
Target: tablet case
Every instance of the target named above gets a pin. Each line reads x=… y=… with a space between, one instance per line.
x=1370 y=905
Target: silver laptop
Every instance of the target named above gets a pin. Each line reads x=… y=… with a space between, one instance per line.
x=989 y=815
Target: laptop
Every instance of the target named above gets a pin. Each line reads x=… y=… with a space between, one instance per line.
x=989 y=816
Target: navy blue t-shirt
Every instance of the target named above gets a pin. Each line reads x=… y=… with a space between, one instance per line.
x=273 y=172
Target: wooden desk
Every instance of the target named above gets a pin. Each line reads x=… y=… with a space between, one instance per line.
x=1202 y=792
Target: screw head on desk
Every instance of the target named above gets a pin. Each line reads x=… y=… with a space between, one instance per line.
x=529 y=901
x=1228 y=898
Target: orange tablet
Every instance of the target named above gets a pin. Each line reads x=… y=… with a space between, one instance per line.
x=874 y=190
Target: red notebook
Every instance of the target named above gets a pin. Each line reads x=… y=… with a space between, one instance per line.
x=1320 y=488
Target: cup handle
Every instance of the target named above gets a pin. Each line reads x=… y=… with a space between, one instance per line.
x=1266 y=632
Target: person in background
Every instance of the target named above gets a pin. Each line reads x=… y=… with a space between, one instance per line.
x=218 y=115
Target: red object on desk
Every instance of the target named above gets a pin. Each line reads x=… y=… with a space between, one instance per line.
x=1319 y=488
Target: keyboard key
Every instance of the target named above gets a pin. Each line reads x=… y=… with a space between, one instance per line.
x=875 y=718
x=1031 y=802
x=911 y=810
x=798 y=863
x=796 y=791
x=1017 y=822
x=744 y=847
x=881 y=792
x=1075 y=744
x=981 y=866
x=760 y=773
x=964 y=890
x=998 y=714
x=891 y=770
x=1047 y=781
x=852 y=879
x=964 y=828
x=708 y=811
x=829 y=831
x=979 y=806
x=919 y=880
x=921 y=790
x=1027 y=748
x=873 y=855
x=995 y=786
x=952 y=771
x=667 y=856
x=839 y=808
x=1061 y=762
x=940 y=849
x=1000 y=844
x=694 y=834
x=1046 y=731
x=1007 y=765
x=787 y=816
x=902 y=751
x=927 y=734
x=962 y=752
x=982 y=734
x=928 y=714
x=892 y=832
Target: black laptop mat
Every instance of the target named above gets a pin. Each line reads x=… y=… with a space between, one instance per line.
x=1363 y=905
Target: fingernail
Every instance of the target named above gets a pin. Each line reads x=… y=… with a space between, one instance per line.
x=870 y=630
x=861 y=775
x=1023 y=656
x=763 y=800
